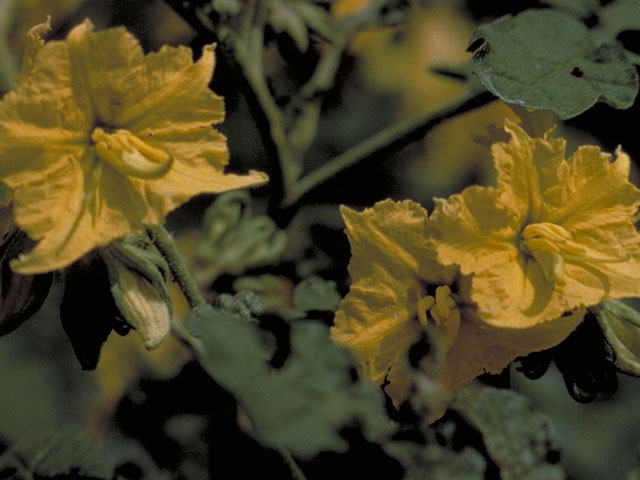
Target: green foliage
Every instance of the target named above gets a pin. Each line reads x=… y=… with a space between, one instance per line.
x=518 y=439
x=547 y=59
x=295 y=17
x=621 y=327
x=314 y=293
x=58 y=454
x=235 y=239
x=300 y=406
x=435 y=462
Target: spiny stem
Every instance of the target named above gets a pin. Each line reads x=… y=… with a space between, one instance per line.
x=167 y=247
x=393 y=137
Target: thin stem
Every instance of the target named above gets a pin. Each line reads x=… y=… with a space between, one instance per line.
x=165 y=244
x=393 y=137
x=295 y=469
x=249 y=56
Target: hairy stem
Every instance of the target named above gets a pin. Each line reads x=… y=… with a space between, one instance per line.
x=165 y=244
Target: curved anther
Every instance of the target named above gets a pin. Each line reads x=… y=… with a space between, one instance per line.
x=130 y=155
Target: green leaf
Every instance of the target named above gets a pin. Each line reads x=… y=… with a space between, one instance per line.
x=550 y=60
x=302 y=405
x=620 y=15
x=58 y=454
x=314 y=293
x=621 y=327
x=517 y=438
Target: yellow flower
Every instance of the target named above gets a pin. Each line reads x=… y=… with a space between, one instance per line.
x=398 y=289
x=556 y=233
x=100 y=139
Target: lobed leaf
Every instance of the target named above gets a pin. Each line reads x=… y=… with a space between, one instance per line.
x=304 y=404
x=550 y=60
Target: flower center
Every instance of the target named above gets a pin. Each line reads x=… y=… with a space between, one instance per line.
x=551 y=245
x=130 y=155
x=443 y=311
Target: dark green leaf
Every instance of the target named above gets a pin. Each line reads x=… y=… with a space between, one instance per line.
x=300 y=406
x=550 y=60
x=621 y=327
x=518 y=439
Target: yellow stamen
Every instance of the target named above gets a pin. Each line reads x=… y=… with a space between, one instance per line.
x=424 y=304
x=443 y=312
x=130 y=155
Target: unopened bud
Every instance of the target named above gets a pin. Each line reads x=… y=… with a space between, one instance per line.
x=137 y=274
x=142 y=306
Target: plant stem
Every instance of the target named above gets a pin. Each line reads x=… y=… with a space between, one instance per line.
x=165 y=244
x=393 y=137
x=297 y=473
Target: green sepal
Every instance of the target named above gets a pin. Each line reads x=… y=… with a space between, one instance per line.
x=138 y=253
x=138 y=277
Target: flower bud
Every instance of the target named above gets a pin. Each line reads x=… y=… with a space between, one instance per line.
x=137 y=273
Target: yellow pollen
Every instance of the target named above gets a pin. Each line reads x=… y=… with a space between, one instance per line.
x=550 y=245
x=444 y=313
x=130 y=155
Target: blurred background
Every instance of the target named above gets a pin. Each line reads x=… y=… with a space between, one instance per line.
x=160 y=400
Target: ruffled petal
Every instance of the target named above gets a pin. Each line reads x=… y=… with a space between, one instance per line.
x=390 y=265
x=106 y=69
x=176 y=98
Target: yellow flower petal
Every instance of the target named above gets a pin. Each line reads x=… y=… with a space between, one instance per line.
x=99 y=140
x=394 y=275
x=390 y=266
x=33 y=45
x=555 y=235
